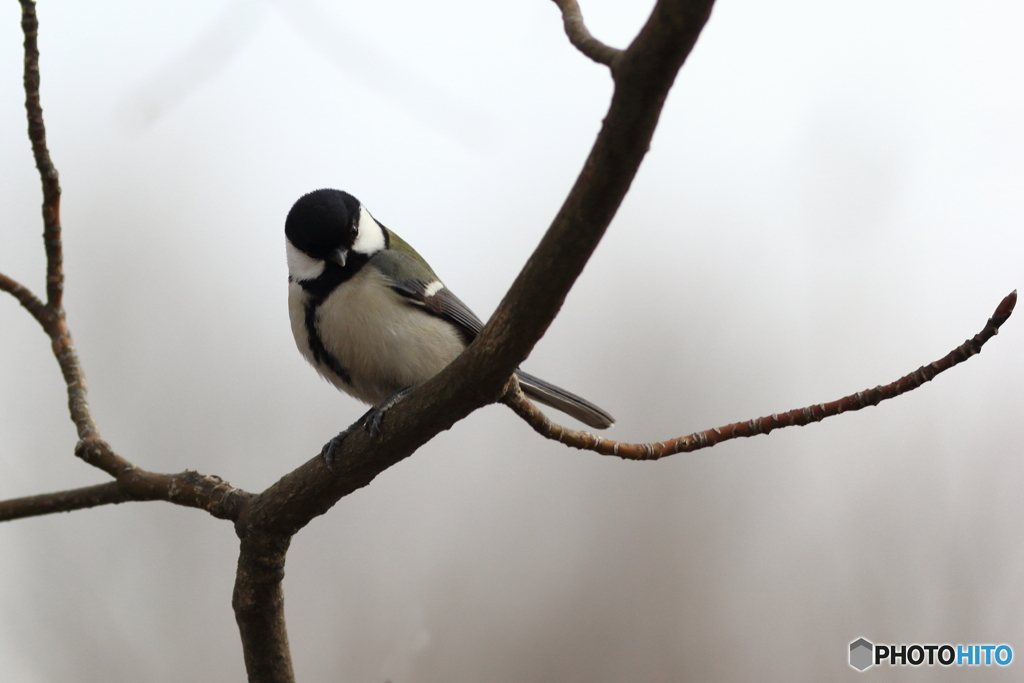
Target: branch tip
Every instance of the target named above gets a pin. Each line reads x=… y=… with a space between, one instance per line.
x=1005 y=307
x=47 y=171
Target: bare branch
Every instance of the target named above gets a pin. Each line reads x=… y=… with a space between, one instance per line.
x=51 y=316
x=61 y=501
x=515 y=399
x=258 y=601
x=74 y=377
x=47 y=171
x=132 y=483
x=580 y=36
x=26 y=298
x=188 y=489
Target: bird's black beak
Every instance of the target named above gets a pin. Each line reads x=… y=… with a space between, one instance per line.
x=340 y=256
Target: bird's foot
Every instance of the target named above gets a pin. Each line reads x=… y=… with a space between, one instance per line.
x=330 y=450
x=370 y=421
x=375 y=415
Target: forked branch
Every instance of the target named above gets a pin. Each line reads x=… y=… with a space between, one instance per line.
x=51 y=314
x=26 y=298
x=515 y=399
x=188 y=489
x=580 y=36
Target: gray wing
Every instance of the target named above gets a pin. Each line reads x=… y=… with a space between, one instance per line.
x=442 y=303
x=419 y=285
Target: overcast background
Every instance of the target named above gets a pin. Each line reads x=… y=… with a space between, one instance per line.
x=833 y=198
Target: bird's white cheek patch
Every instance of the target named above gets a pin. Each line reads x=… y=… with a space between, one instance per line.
x=370 y=236
x=302 y=267
x=433 y=288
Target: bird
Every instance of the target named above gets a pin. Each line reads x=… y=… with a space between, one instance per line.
x=373 y=319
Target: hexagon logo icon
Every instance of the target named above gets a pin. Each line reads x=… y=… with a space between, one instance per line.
x=861 y=652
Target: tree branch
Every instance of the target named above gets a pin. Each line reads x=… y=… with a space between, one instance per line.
x=47 y=171
x=26 y=298
x=580 y=36
x=61 y=501
x=515 y=399
x=74 y=377
x=188 y=489
x=258 y=601
x=51 y=315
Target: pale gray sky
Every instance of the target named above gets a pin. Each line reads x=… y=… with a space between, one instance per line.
x=833 y=199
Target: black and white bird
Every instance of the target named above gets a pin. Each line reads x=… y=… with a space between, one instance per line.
x=372 y=317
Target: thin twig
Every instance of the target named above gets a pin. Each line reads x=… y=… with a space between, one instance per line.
x=61 y=501
x=188 y=489
x=74 y=377
x=515 y=399
x=47 y=171
x=580 y=36
x=51 y=315
x=26 y=298
x=55 y=325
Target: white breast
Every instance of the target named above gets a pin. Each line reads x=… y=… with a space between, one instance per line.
x=382 y=341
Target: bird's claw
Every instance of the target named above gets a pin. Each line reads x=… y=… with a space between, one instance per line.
x=370 y=421
x=327 y=452
x=330 y=449
x=373 y=423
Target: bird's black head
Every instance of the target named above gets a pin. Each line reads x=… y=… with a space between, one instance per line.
x=322 y=222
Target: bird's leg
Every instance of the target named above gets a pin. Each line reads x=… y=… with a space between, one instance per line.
x=370 y=421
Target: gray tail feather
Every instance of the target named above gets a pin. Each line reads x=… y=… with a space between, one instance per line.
x=560 y=399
